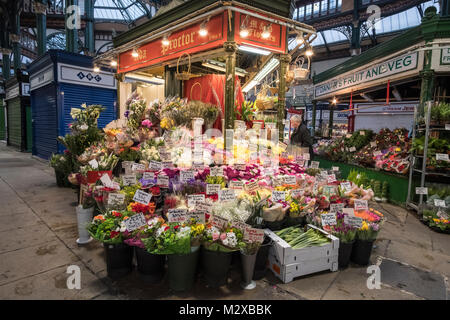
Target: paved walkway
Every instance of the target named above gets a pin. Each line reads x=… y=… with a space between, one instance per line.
x=37 y=243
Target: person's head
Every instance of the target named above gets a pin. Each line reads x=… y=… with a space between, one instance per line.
x=296 y=120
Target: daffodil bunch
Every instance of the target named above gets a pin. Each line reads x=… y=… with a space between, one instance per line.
x=368 y=231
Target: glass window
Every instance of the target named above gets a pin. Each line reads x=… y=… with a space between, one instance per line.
x=316 y=9
x=308 y=11
x=339 y=5
x=332 y=7
x=324 y=7
x=301 y=13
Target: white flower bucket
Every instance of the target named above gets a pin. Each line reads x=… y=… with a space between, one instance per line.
x=197 y=124
x=84 y=217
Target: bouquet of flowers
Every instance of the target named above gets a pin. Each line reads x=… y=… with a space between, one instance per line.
x=146 y=232
x=368 y=231
x=224 y=240
x=343 y=231
x=135 y=112
x=170 y=239
x=109 y=228
x=104 y=163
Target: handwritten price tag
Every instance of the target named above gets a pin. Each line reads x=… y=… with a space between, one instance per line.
x=331 y=178
x=163 y=181
x=439 y=203
x=442 y=157
x=315 y=164
x=278 y=196
x=177 y=215
x=254 y=235
x=290 y=180
x=227 y=195
x=240 y=166
x=216 y=171
x=361 y=205
x=165 y=156
x=106 y=180
x=347 y=186
x=336 y=207
x=203 y=207
x=135 y=222
x=353 y=221
x=198 y=165
x=142 y=197
x=252 y=186
x=212 y=189
x=116 y=198
x=219 y=222
x=155 y=165
x=236 y=185
x=187 y=175
x=194 y=198
x=129 y=180
x=297 y=193
x=199 y=217
x=148 y=176
x=239 y=225
x=328 y=219
x=137 y=167
x=167 y=165
x=420 y=190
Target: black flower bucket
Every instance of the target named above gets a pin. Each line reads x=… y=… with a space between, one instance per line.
x=361 y=251
x=216 y=265
x=150 y=266
x=119 y=259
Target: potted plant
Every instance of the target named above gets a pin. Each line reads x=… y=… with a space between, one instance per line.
x=110 y=229
x=62 y=165
x=346 y=235
x=365 y=237
x=218 y=246
x=85 y=211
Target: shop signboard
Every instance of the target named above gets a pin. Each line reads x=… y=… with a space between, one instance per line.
x=364 y=77
x=392 y=108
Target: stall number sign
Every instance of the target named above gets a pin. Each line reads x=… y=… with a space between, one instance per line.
x=199 y=217
x=203 y=207
x=236 y=185
x=328 y=219
x=336 y=207
x=254 y=235
x=135 y=222
x=137 y=167
x=194 y=198
x=129 y=180
x=219 y=222
x=315 y=164
x=353 y=221
x=297 y=193
x=252 y=186
x=93 y=163
x=290 y=180
x=212 y=189
x=163 y=181
x=347 y=186
x=278 y=196
x=177 y=215
x=421 y=190
x=439 y=203
x=442 y=157
x=148 y=176
x=331 y=178
x=142 y=197
x=115 y=198
x=155 y=165
x=227 y=195
x=216 y=171
x=361 y=205
x=186 y=176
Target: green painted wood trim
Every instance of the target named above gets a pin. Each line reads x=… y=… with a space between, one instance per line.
x=28 y=129
x=398 y=184
x=2 y=122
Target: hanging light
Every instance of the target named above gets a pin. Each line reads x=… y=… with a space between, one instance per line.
x=96 y=69
x=203 y=31
x=113 y=63
x=334 y=101
x=244 y=30
x=309 y=52
x=300 y=40
x=266 y=33
x=165 y=40
x=134 y=53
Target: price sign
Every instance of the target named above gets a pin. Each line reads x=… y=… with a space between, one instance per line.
x=163 y=181
x=329 y=190
x=203 y=207
x=198 y=165
x=106 y=180
x=331 y=178
x=315 y=164
x=239 y=225
x=347 y=186
x=447 y=126
x=129 y=179
x=442 y=157
x=349 y=211
x=352 y=149
x=362 y=133
x=290 y=180
x=165 y=156
x=194 y=198
x=277 y=181
x=135 y=222
x=353 y=221
x=137 y=167
x=167 y=165
x=116 y=198
x=297 y=193
x=306 y=156
x=240 y=166
x=216 y=171
x=93 y=163
x=212 y=189
x=334 y=168
x=227 y=195
x=254 y=235
x=219 y=222
x=336 y=207
x=187 y=175
x=373 y=144
x=348 y=135
x=252 y=186
x=439 y=203
x=377 y=153
x=278 y=196
x=236 y=185
x=148 y=175
x=177 y=215
x=328 y=219
x=420 y=190
x=155 y=165
x=361 y=205
x=199 y=217
x=142 y=197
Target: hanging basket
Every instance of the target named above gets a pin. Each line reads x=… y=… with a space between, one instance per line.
x=184 y=75
x=300 y=72
x=263 y=101
x=201 y=90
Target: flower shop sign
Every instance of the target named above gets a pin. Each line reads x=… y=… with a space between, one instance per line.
x=393 y=107
x=390 y=68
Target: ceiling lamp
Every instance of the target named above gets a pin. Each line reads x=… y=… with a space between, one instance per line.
x=96 y=69
x=203 y=31
x=300 y=40
x=165 y=41
x=266 y=32
x=244 y=29
x=134 y=53
x=268 y=68
x=220 y=66
x=334 y=101
x=254 y=50
x=309 y=52
x=113 y=63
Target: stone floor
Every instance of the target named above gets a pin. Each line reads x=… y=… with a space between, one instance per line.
x=37 y=243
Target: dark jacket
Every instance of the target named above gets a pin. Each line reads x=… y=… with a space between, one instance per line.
x=302 y=138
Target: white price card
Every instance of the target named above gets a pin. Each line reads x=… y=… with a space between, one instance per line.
x=212 y=189
x=254 y=235
x=199 y=217
x=129 y=179
x=167 y=165
x=148 y=175
x=187 y=175
x=347 y=186
x=373 y=144
x=203 y=207
x=442 y=157
x=315 y=164
x=278 y=196
x=353 y=221
x=155 y=165
x=349 y=211
x=297 y=193
x=135 y=222
x=93 y=163
x=331 y=178
x=252 y=186
x=219 y=222
x=447 y=126
x=115 y=199
x=162 y=181
x=361 y=205
x=198 y=165
x=352 y=149
x=106 y=180
x=194 y=198
x=142 y=197
x=236 y=185
x=127 y=166
x=306 y=156
x=328 y=219
x=137 y=167
x=216 y=171
x=177 y=215
x=227 y=195
x=336 y=207
x=290 y=180
x=239 y=225
x=439 y=203
x=348 y=135
x=362 y=133
x=420 y=190
x=165 y=156
x=240 y=166
x=334 y=168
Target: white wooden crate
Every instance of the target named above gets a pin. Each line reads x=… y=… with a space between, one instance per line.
x=287 y=273
x=286 y=255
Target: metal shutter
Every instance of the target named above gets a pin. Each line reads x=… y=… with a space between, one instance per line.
x=2 y=121
x=45 y=125
x=15 y=122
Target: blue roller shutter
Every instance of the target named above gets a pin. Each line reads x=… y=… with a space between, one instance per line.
x=45 y=121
